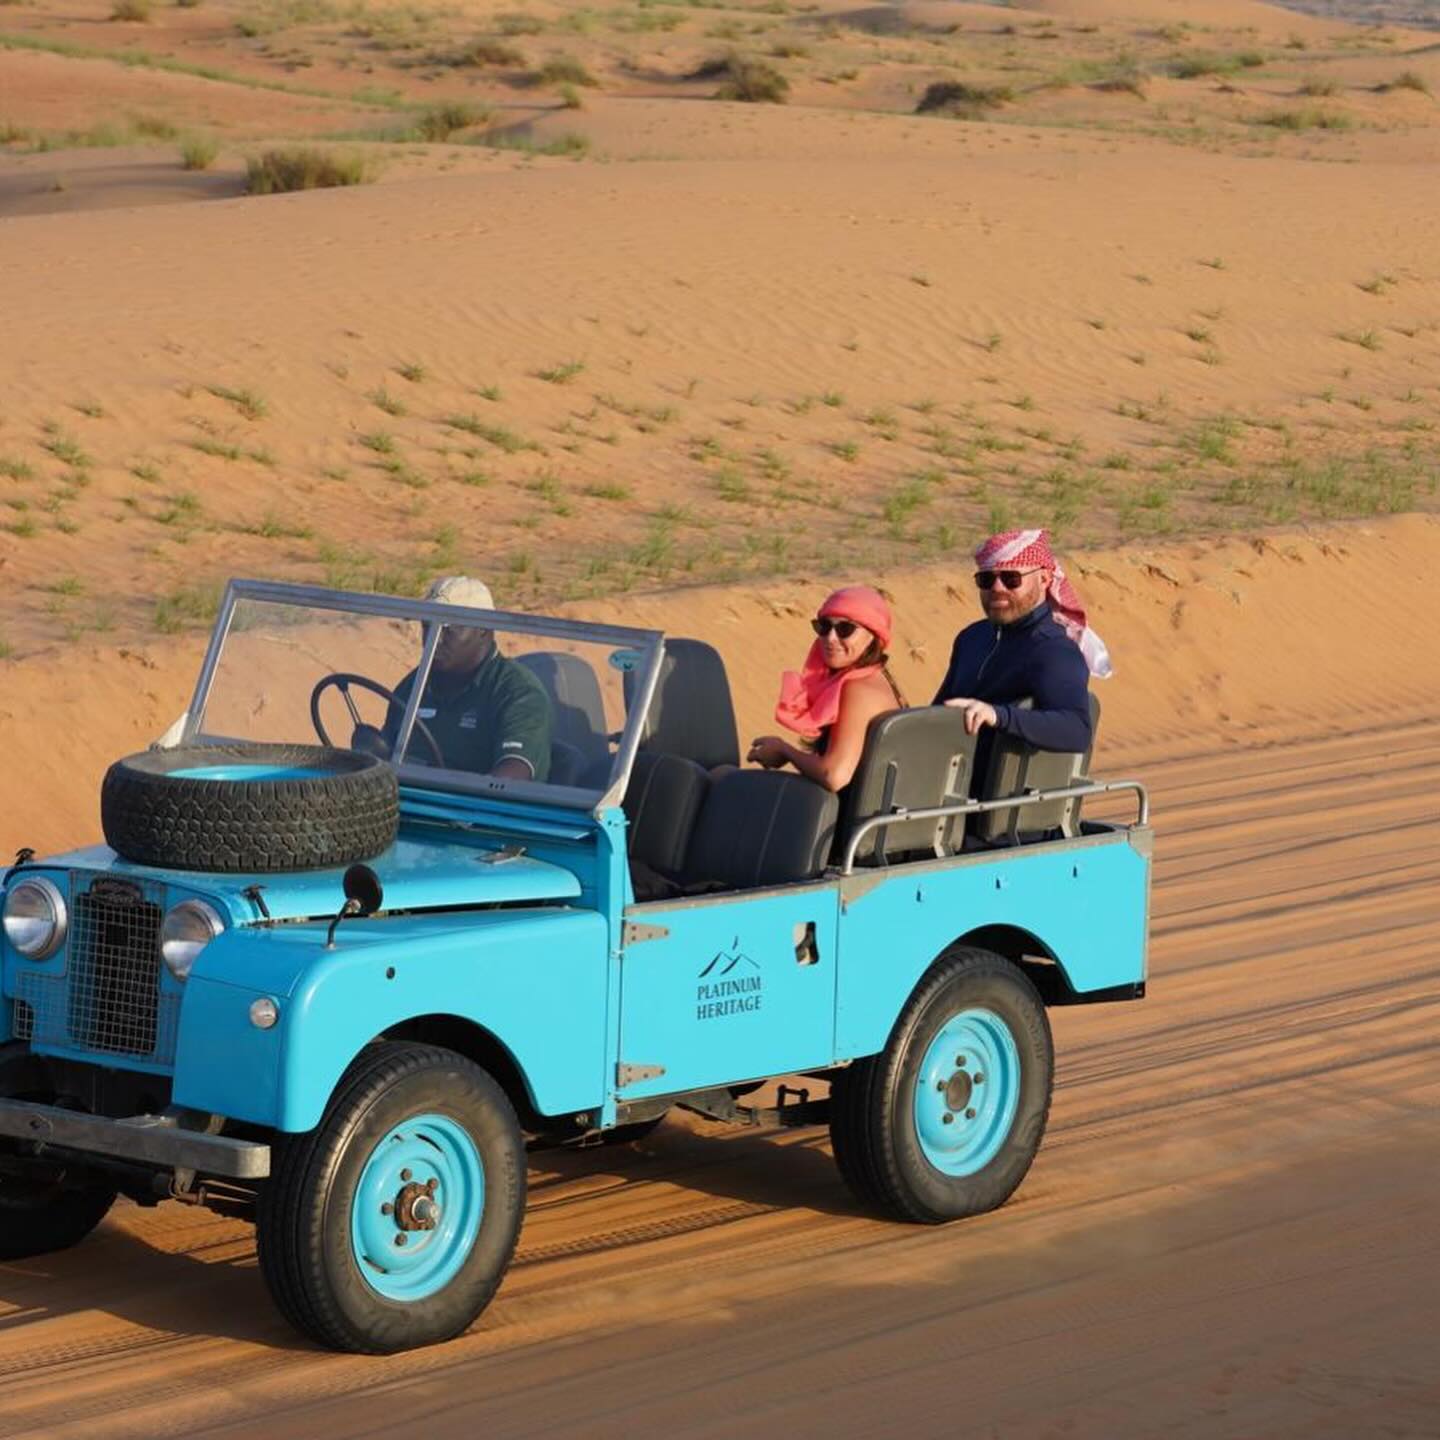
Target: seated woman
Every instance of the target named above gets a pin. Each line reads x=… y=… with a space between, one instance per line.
x=845 y=684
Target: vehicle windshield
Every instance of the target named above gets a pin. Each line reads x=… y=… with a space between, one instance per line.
x=459 y=699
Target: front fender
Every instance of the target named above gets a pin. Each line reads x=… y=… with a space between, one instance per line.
x=536 y=979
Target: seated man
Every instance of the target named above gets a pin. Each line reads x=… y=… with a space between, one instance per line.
x=488 y=714
x=1033 y=644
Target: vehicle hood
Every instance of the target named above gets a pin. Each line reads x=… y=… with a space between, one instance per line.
x=416 y=875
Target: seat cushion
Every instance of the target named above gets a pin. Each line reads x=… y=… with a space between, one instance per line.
x=760 y=827
x=661 y=803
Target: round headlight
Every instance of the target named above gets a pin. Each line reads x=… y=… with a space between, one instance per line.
x=35 y=918
x=187 y=930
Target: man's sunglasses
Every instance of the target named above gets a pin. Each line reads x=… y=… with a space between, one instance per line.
x=843 y=628
x=1010 y=579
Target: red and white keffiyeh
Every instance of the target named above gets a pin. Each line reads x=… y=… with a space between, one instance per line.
x=1030 y=550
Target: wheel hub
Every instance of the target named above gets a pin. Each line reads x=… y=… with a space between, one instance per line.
x=415 y=1206
x=957 y=1091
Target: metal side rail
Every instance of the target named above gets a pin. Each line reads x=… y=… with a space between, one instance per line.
x=143 y=1139
x=979 y=807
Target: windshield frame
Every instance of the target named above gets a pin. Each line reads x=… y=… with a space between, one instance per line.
x=432 y=615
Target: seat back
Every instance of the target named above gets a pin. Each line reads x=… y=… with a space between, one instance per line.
x=691 y=713
x=1015 y=768
x=661 y=804
x=761 y=827
x=915 y=759
x=577 y=711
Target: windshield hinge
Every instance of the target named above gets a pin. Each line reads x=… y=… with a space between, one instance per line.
x=627 y=1074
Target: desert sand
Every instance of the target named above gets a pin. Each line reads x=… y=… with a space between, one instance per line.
x=1167 y=283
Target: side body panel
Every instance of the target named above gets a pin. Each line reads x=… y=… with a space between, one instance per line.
x=1085 y=900
x=534 y=978
x=739 y=987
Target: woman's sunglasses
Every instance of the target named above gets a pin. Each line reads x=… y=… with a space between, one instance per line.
x=1010 y=579
x=824 y=625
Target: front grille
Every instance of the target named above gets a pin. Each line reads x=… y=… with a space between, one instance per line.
x=109 y=1000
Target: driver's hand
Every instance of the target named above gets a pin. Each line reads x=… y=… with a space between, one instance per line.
x=370 y=740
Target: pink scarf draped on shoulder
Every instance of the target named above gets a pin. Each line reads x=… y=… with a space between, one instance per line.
x=810 y=698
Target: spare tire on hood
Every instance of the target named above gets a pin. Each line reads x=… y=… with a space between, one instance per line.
x=249 y=807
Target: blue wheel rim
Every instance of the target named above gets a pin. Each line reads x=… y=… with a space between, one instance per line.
x=425 y=1156
x=967 y=1092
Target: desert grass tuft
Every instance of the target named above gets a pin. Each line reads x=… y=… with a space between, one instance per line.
x=565 y=70
x=494 y=54
x=1307 y=117
x=249 y=403
x=132 y=11
x=1406 y=80
x=744 y=78
x=301 y=167
x=958 y=98
x=438 y=123
x=198 y=152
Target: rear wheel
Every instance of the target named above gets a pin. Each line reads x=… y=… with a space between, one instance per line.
x=392 y=1223
x=946 y=1120
x=44 y=1205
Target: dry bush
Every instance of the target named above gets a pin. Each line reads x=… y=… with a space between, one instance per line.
x=494 y=53
x=301 y=167
x=133 y=10
x=955 y=97
x=744 y=78
x=198 y=152
x=565 y=70
x=440 y=122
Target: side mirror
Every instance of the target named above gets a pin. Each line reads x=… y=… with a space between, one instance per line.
x=363 y=895
x=362 y=885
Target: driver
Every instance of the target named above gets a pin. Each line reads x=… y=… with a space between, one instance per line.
x=488 y=714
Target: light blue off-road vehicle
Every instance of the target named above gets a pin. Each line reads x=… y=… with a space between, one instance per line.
x=342 y=986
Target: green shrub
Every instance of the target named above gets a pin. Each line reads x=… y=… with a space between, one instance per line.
x=494 y=53
x=746 y=79
x=1307 y=118
x=198 y=152
x=565 y=70
x=440 y=122
x=301 y=167
x=134 y=10
x=954 y=97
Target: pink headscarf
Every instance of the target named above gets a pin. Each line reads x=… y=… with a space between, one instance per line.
x=1030 y=549
x=810 y=698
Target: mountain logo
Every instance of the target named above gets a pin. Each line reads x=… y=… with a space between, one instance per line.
x=726 y=961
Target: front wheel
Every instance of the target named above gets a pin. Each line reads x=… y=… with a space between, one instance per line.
x=43 y=1207
x=946 y=1120
x=391 y=1224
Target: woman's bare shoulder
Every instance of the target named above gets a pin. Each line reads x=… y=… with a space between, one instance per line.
x=873 y=692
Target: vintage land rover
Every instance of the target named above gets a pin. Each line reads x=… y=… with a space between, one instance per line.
x=342 y=986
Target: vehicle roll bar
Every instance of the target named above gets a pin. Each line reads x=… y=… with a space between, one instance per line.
x=979 y=807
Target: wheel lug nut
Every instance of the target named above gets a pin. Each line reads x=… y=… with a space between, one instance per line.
x=947 y=1118
x=939 y=1084
x=404 y=1174
x=959 y=1062
x=979 y=1079
x=387 y=1208
x=401 y=1238
x=969 y=1114
x=431 y=1184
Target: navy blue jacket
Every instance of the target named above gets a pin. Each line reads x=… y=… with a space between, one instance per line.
x=1031 y=659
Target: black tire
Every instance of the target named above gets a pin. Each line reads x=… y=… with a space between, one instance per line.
x=347 y=809
x=304 y=1221
x=873 y=1126
x=45 y=1208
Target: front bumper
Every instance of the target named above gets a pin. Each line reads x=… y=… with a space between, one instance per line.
x=158 y=1140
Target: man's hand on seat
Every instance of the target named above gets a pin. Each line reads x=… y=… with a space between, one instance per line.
x=977 y=713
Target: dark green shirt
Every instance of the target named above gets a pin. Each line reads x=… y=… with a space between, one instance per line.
x=503 y=713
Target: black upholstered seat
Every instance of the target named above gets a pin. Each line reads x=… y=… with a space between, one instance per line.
x=915 y=759
x=691 y=713
x=577 y=711
x=661 y=804
x=759 y=827
x=1015 y=768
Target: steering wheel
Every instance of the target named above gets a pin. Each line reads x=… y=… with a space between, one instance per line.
x=342 y=681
